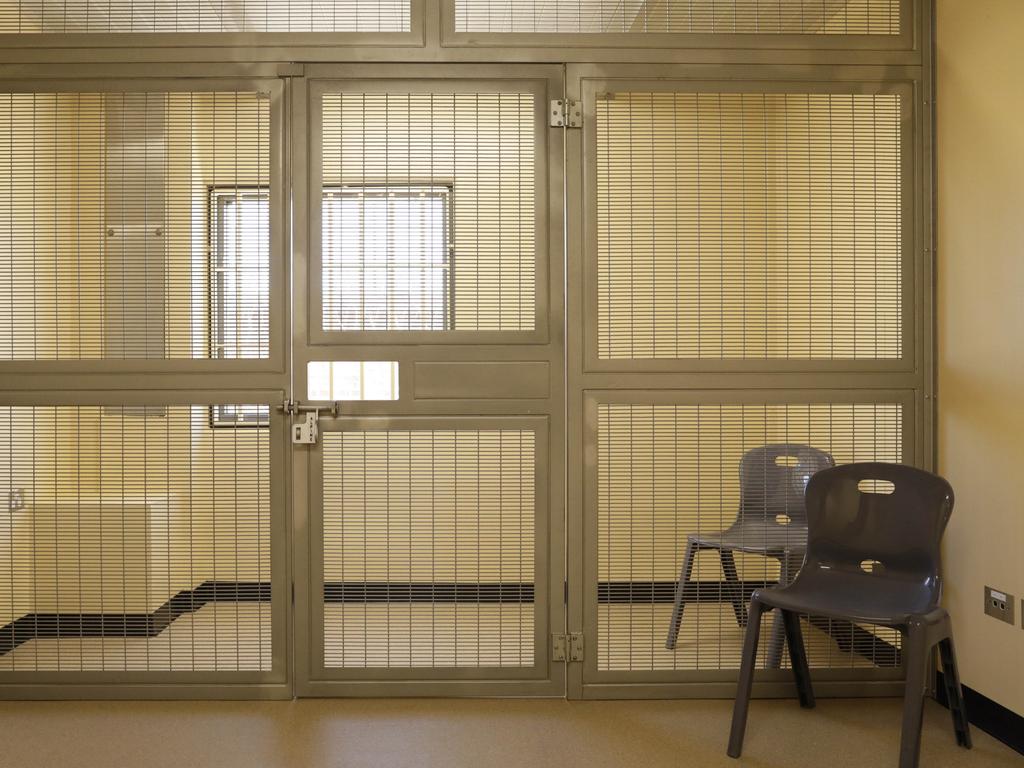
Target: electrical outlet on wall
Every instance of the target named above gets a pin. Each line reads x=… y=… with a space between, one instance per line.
x=16 y=500
x=999 y=605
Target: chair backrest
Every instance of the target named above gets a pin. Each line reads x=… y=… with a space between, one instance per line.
x=773 y=479
x=879 y=520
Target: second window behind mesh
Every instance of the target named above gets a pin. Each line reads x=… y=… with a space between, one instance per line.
x=429 y=215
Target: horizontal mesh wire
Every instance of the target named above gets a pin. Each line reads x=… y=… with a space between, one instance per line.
x=139 y=540
x=429 y=548
x=709 y=17
x=134 y=225
x=429 y=212
x=748 y=225
x=668 y=472
x=141 y=16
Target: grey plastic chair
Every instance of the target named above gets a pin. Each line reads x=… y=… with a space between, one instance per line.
x=771 y=522
x=872 y=557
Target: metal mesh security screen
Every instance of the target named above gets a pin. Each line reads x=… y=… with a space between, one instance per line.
x=429 y=211
x=749 y=225
x=116 y=16
x=111 y=243
x=749 y=17
x=138 y=539
x=429 y=548
x=669 y=472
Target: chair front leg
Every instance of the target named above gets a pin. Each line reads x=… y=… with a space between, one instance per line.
x=746 y=679
x=917 y=657
x=677 y=609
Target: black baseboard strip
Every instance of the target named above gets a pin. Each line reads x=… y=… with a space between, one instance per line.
x=53 y=625
x=421 y=592
x=665 y=591
x=33 y=626
x=991 y=717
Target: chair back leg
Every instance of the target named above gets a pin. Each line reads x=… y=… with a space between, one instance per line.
x=732 y=581
x=789 y=565
x=677 y=609
x=798 y=659
x=746 y=680
x=954 y=693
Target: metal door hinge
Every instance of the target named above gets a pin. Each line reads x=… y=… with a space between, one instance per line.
x=567 y=647
x=566 y=113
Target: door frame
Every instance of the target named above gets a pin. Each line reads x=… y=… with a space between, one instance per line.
x=526 y=353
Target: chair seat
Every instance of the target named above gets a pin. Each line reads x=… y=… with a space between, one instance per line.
x=755 y=538
x=850 y=595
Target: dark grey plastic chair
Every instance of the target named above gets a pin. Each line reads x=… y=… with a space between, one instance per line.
x=771 y=522
x=873 y=558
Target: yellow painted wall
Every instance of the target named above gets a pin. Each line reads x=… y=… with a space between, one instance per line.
x=120 y=512
x=980 y=109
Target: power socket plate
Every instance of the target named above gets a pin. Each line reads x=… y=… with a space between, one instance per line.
x=999 y=605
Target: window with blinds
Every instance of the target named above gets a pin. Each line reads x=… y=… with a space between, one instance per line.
x=111 y=244
x=428 y=548
x=429 y=212
x=749 y=226
x=147 y=16
x=666 y=473
x=706 y=17
x=136 y=539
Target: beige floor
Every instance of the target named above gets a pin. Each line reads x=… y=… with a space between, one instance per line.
x=450 y=733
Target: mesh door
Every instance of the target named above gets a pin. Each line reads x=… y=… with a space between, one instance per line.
x=749 y=226
x=668 y=472
x=134 y=225
x=428 y=548
x=119 y=16
x=429 y=212
x=706 y=17
x=138 y=539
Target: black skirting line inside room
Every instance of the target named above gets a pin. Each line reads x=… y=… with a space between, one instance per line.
x=32 y=626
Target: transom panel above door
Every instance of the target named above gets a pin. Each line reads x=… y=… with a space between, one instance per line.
x=431 y=558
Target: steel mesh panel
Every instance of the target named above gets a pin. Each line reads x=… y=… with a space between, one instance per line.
x=111 y=246
x=140 y=541
x=429 y=548
x=748 y=225
x=429 y=215
x=709 y=17
x=119 y=16
x=665 y=472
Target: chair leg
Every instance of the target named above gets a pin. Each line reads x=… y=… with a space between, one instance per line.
x=917 y=656
x=798 y=659
x=788 y=567
x=732 y=580
x=746 y=680
x=677 y=609
x=954 y=693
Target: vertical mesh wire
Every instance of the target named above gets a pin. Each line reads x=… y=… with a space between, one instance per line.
x=709 y=17
x=134 y=225
x=665 y=472
x=138 y=540
x=429 y=212
x=144 y=16
x=429 y=548
x=749 y=225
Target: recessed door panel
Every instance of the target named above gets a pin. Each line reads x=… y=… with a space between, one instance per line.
x=435 y=538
